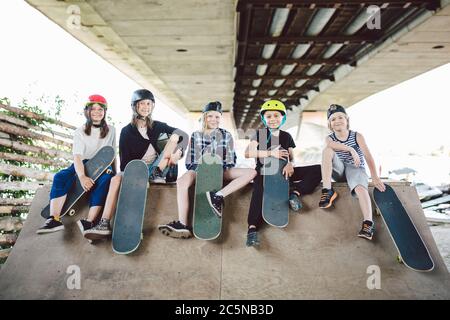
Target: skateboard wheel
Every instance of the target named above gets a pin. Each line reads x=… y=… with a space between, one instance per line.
x=109 y=171
x=71 y=212
x=142 y=235
x=399 y=259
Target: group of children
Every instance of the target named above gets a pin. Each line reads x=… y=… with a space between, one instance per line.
x=344 y=159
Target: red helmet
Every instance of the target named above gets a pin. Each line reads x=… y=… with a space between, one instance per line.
x=96 y=98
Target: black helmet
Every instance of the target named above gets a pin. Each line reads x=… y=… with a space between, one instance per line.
x=213 y=106
x=141 y=94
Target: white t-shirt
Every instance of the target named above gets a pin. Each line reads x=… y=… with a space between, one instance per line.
x=150 y=154
x=87 y=146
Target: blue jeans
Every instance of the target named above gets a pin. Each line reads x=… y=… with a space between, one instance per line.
x=64 y=179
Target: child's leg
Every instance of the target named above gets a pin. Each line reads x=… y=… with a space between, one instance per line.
x=62 y=182
x=112 y=197
x=56 y=205
x=364 y=202
x=327 y=167
x=239 y=178
x=255 y=211
x=168 y=150
x=183 y=184
x=98 y=196
x=306 y=179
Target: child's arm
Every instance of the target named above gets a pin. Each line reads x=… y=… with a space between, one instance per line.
x=253 y=152
x=370 y=162
x=288 y=169
x=337 y=146
x=85 y=181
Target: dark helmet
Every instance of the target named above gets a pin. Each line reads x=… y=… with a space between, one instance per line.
x=213 y=106
x=141 y=94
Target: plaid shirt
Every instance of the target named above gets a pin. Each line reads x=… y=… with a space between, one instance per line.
x=219 y=141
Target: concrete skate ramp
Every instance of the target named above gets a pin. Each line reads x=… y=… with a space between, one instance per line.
x=317 y=256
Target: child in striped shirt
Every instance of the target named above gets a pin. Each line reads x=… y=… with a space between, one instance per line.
x=344 y=159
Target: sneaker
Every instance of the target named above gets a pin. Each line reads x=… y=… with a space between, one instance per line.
x=175 y=229
x=252 y=239
x=84 y=225
x=50 y=225
x=99 y=231
x=327 y=198
x=216 y=203
x=157 y=176
x=367 y=230
x=294 y=201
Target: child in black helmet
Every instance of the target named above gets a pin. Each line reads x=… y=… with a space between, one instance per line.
x=87 y=141
x=138 y=140
x=303 y=180
x=211 y=138
x=344 y=159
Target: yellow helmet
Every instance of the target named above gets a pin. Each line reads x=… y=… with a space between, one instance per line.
x=273 y=105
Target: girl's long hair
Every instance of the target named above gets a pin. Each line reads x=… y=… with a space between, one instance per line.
x=104 y=129
x=134 y=118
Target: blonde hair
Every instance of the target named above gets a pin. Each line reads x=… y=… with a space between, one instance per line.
x=346 y=117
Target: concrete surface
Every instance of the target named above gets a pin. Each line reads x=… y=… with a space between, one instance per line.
x=318 y=256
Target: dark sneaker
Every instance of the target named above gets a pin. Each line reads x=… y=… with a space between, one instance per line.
x=175 y=229
x=50 y=225
x=367 y=230
x=252 y=238
x=84 y=225
x=327 y=198
x=294 y=201
x=216 y=202
x=99 y=231
x=157 y=176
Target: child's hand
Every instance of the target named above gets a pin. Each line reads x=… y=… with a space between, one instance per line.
x=288 y=170
x=174 y=157
x=279 y=154
x=378 y=184
x=86 y=183
x=355 y=157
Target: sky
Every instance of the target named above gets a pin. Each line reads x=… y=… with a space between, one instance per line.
x=38 y=58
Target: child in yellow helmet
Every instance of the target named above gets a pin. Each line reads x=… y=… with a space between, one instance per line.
x=303 y=180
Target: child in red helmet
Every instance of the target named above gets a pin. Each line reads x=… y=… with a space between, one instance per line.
x=138 y=140
x=87 y=141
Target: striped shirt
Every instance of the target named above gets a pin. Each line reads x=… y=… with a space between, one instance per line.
x=346 y=156
x=219 y=141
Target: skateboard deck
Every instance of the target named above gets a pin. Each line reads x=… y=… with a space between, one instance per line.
x=94 y=168
x=275 y=206
x=129 y=218
x=412 y=250
x=207 y=225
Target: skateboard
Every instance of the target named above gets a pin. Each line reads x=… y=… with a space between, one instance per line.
x=275 y=208
x=129 y=217
x=207 y=225
x=94 y=168
x=412 y=250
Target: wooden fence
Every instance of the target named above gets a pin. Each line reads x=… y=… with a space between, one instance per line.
x=32 y=148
